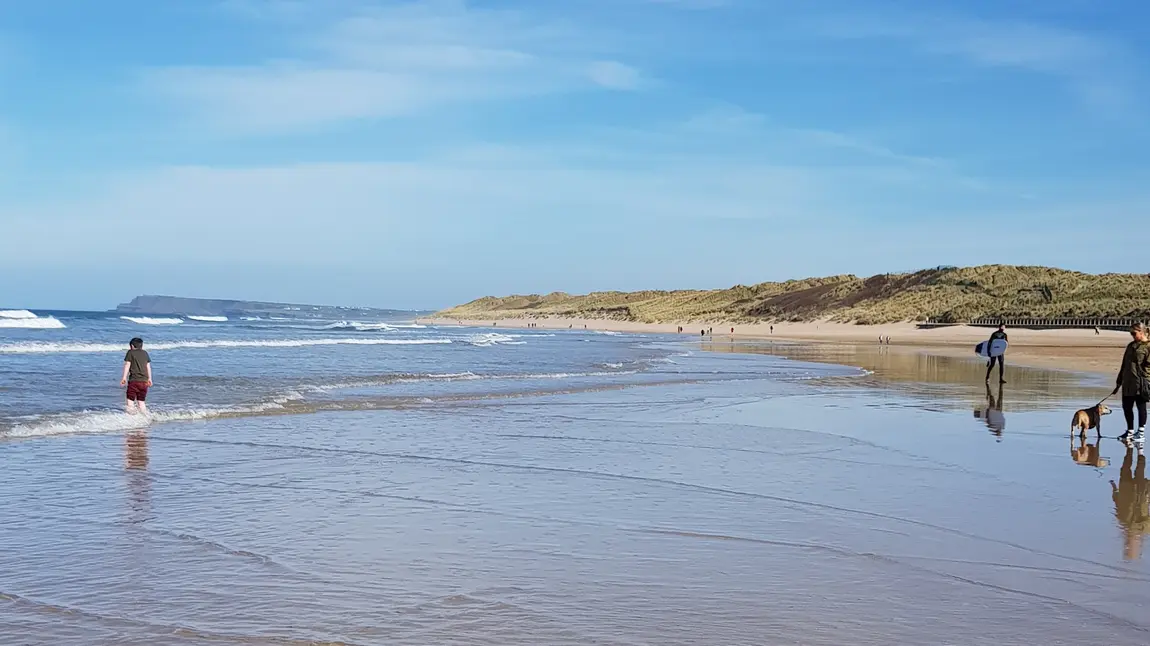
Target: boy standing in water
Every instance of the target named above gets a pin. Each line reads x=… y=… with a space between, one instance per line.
x=137 y=376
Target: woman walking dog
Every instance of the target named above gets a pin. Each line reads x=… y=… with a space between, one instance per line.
x=1134 y=382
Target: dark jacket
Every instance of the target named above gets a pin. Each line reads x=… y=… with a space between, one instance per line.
x=1134 y=374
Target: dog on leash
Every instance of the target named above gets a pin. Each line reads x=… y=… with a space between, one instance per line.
x=1088 y=418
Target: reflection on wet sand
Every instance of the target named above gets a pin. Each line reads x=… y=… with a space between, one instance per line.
x=946 y=381
x=1087 y=453
x=992 y=413
x=139 y=481
x=1131 y=498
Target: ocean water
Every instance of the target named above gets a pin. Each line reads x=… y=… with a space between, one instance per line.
x=376 y=483
x=63 y=377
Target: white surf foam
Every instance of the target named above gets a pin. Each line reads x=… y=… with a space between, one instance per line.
x=34 y=323
x=94 y=422
x=52 y=348
x=492 y=338
x=16 y=314
x=358 y=326
x=147 y=320
x=608 y=332
x=210 y=319
x=251 y=318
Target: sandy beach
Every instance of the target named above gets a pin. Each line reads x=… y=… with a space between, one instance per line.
x=1072 y=350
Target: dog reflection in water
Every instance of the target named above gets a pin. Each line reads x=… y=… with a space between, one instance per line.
x=1087 y=454
x=1131 y=499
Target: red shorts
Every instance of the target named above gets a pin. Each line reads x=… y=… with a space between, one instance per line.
x=137 y=391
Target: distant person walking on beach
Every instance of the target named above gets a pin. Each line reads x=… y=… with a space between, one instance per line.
x=1134 y=382
x=1000 y=333
x=137 y=376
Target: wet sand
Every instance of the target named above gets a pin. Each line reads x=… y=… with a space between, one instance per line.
x=860 y=510
x=1072 y=350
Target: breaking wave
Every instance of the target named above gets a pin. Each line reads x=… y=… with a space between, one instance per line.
x=494 y=338
x=16 y=314
x=360 y=326
x=291 y=402
x=209 y=319
x=53 y=348
x=147 y=320
x=31 y=323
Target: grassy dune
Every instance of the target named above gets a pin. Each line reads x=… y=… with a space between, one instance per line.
x=948 y=293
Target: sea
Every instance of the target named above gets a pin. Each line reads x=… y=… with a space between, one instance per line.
x=381 y=481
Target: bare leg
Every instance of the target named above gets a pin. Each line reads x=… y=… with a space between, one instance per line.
x=130 y=407
x=143 y=407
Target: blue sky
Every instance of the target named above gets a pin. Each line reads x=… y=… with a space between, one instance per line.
x=418 y=154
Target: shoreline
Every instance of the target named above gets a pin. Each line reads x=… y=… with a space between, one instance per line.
x=1070 y=350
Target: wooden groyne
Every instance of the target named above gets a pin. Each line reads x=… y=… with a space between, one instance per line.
x=1060 y=323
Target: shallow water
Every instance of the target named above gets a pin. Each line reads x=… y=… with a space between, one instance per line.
x=713 y=498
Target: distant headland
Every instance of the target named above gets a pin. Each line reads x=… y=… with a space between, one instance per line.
x=175 y=305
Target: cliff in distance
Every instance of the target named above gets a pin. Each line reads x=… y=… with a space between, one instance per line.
x=178 y=306
x=946 y=294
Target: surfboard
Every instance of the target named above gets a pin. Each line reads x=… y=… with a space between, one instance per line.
x=997 y=348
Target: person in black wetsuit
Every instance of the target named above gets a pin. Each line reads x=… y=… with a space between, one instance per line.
x=1000 y=333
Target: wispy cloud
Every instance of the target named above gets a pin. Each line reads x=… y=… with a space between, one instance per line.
x=615 y=75
x=1095 y=68
x=692 y=4
x=387 y=62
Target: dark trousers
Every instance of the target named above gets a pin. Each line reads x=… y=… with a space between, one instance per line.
x=1001 y=361
x=1128 y=404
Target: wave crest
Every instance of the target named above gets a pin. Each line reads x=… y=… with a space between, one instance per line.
x=53 y=348
x=209 y=319
x=147 y=320
x=19 y=319
x=16 y=314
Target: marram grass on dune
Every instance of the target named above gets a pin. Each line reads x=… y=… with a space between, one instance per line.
x=947 y=293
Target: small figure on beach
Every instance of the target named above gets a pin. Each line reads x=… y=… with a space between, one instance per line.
x=1097 y=331
x=1134 y=382
x=772 y=329
x=1131 y=497
x=1000 y=333
x=137 y=376
x=732 y=330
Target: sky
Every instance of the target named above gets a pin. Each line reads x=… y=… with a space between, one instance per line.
x=418 y=154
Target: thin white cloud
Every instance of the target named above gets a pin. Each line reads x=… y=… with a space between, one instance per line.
x=1095 y=68
x=614 y=75
x=387 y=62
x=692 y=4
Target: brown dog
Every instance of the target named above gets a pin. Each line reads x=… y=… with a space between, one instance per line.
x=1089 y=418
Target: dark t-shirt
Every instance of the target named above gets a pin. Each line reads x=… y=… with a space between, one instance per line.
x=138 y=368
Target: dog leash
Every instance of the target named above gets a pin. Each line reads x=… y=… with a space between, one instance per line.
x=1103 y=400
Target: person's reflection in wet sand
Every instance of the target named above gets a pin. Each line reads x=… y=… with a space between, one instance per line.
x=1087 y=454
x=139 y=481
x=1131 y=498
x=992 y=415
